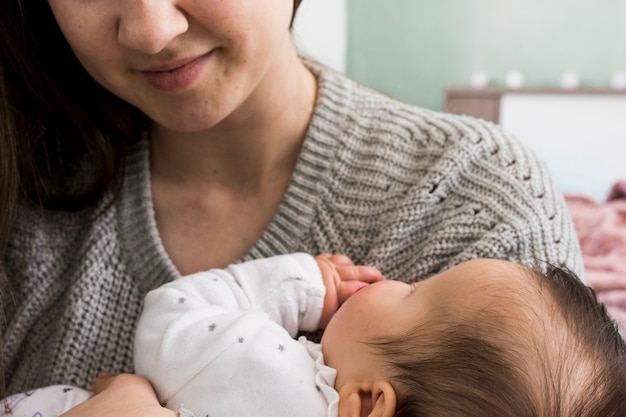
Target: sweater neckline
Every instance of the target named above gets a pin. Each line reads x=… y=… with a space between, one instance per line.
x=142 y=246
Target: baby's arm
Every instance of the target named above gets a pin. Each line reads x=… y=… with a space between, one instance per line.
x=297 y=291
x=188 y=324
x=287 y=287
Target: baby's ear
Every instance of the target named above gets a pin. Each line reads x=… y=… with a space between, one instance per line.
x=377 y=400
x=383 y=399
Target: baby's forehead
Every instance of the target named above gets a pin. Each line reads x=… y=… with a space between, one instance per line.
x=494 y=283
x=497 y=273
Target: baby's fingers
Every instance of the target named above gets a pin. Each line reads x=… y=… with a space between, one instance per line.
x=348 y=288
x=366 y=274
x=340 y=260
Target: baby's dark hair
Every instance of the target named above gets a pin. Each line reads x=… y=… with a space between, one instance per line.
x=493 y=362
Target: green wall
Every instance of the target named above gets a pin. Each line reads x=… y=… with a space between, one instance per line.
x=412 y=49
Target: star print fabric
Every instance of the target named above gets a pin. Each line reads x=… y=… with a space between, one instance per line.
x=49 y=401
x=206 y=338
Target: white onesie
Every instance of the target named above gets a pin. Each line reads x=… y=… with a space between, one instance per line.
x=221 y=344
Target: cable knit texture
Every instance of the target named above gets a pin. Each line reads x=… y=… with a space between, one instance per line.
x=405 y=189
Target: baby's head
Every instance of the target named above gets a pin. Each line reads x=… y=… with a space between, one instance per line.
x=485 y=338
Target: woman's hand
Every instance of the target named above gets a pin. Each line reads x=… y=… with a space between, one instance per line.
x=119 y=396
x=342 y=279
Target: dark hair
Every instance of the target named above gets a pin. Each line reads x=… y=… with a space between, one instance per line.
x=461 y=367
x=57 y=124
x=599 y=338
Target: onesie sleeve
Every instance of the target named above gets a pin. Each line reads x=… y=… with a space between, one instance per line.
x=188 y=323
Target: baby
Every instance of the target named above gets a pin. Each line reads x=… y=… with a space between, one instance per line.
x=485 y=338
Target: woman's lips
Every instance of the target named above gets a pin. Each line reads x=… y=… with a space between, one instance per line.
x=177 y=75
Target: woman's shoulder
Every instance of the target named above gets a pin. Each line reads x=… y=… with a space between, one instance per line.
x=372 y=133
x=362 y=124
x=434 y=175
x=359 y=111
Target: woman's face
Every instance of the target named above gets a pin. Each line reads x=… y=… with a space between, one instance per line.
x=187 y=64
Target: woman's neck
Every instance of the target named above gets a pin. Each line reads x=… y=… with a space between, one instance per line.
x=215 y=191
x=254 y=147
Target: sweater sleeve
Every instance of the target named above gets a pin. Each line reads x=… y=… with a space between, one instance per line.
x=188 y=323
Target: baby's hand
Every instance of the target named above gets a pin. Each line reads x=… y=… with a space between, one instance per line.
x=342 y=279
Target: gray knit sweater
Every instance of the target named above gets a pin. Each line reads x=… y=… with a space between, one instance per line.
x=402 y=188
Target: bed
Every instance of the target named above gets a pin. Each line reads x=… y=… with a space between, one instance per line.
x=581 y=136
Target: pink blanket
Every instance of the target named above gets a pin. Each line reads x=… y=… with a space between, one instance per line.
x=601 y=228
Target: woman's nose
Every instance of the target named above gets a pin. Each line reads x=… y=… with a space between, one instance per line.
x=148 y=26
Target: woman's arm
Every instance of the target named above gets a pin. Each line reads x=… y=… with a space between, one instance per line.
x=122 y=395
